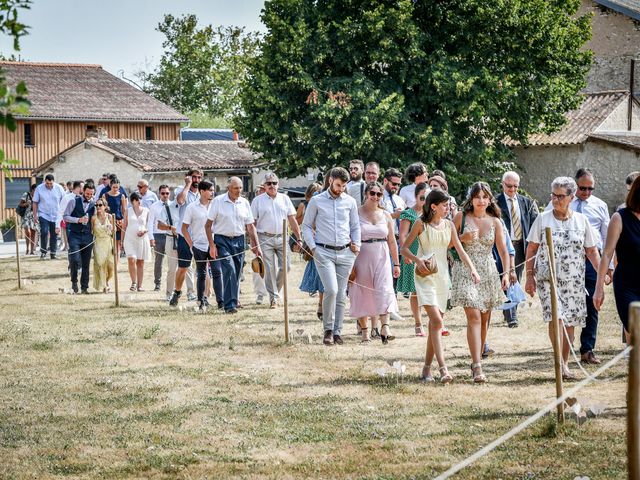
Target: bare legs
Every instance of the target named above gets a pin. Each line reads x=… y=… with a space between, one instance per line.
x=136 y=272
x=477 y=325
x=415 y=311
x=434 y=345
x=565 y=346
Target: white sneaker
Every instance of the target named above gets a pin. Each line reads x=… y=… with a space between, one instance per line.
x=395 y=317
x=191 y=297
x=259 y=300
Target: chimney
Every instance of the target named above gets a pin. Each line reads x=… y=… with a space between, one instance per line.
x=235 y=136
x=631 y=93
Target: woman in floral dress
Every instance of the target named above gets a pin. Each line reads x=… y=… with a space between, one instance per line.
x=573 y=239
x=481 y=224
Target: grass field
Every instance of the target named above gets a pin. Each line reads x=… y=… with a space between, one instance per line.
x=88 y=390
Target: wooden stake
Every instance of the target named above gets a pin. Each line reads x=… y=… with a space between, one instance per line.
x=633 y=395
x=116 y=255
x=284 y=285
x=555 y=325
x=17 y=235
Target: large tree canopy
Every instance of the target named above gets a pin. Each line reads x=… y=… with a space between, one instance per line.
x=201 y=67
x=441 y=82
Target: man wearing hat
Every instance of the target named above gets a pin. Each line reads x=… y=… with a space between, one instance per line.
x=269 y=210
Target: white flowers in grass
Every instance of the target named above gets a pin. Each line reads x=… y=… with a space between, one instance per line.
x=396 y=372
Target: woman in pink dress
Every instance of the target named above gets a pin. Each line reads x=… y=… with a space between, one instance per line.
x=371 y=291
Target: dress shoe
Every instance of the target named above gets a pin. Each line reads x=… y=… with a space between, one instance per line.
x=590 y=358
x=55 y=257
x=273 y=304
x=156 y=288
x=328 y=337
x=337 y=339
x=231 y=311
x=84 y=291
x=74 y=287
x=512 y=324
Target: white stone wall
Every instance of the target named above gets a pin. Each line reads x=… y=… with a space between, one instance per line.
x=610 y=164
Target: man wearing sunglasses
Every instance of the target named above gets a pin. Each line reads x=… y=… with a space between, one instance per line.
x=269 y=210
x=597 y=213
x=162 y=217
x=147 y=196
x=355 y=186
x=78 y=215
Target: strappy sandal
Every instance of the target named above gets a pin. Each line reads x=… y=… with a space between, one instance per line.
x=133 y=287
x=364 y=332
x=476 y=373
x=426 y=374
x=419 y=331
x=445 y=376
x=386 y=338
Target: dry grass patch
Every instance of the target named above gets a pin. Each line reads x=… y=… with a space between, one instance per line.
x=89 y=390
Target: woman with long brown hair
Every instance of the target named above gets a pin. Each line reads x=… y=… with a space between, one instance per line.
x=481 y=227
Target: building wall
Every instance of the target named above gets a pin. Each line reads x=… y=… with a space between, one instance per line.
x=610 y=164
x=618 y=120
x=52 y=137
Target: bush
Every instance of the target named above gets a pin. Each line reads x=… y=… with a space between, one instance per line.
x=8 y=224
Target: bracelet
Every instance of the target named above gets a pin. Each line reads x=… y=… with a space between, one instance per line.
x=396 y=265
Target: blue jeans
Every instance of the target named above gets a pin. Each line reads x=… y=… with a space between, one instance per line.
x=589 y=332
x=48 y=233
x=231 y=267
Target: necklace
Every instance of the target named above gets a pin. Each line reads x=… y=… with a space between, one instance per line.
x=562 y=219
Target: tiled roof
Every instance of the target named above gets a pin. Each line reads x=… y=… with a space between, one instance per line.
x=206 y=134
x=167 y=156
x=630 y=8
x=85 y=93
x=624 y=139
x=581 y=122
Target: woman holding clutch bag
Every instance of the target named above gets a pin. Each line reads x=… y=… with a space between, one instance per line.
x=435 y=235
x=480 y=220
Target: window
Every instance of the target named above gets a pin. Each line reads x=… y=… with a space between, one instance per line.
x=148 y=133
x=14 y=191
x=29 y=140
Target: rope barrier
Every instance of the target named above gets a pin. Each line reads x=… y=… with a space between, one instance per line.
x=532 y=419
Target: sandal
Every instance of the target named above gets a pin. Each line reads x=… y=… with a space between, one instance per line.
x=364 y=331
x=133 y=287
x=445 y=376
x=476 y=373
x=426 y=374
x=386 y=338
x=140 y=289
x=568 y=375
x=445 y=331
x=419 y=331
x=375 y=333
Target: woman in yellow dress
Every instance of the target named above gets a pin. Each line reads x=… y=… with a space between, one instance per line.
x=435 y=234
x=102 y=247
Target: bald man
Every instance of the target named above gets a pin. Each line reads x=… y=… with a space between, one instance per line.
x=229 y=217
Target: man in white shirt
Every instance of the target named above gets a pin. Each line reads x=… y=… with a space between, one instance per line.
x=269 y=210
x=331 y=229
x=355 y=186
x=194 y=233
x=229 y=217
x=147 y=197
x=46 y=213
x=160 y=227
x=392 y=202
x=184 y=196
x=414 y=174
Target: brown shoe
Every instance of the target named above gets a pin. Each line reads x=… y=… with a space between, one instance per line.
x=328 y=337
x=590 y=358
x=337 y=339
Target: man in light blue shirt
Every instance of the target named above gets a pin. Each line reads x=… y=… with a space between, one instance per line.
x=46 y=213
x=335 y=245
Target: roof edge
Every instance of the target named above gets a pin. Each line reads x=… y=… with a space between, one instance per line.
x=51 y=64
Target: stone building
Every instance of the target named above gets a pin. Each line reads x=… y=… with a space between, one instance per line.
x=596 y=136
x=158 y=162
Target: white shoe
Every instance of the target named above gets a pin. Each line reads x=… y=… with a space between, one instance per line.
x=191 y=297
x=395 y=317
x=259 y=300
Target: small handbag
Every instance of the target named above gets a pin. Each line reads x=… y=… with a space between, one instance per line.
x=431 y=265
x=306 y=252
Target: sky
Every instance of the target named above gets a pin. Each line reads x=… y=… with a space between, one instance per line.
x=117 y=34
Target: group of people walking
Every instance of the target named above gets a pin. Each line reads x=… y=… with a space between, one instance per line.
x=364 y=240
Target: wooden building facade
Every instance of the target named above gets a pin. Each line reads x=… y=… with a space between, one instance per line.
x=70 y=102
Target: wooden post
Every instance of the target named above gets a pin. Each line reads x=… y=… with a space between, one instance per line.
x=555 y=325
x=285 y=238
x=116 y=256
x=633 y=395
x=17 y=235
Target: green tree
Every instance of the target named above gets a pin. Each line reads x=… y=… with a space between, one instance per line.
x=201 y=68
x=396 y=82
x=13 y=101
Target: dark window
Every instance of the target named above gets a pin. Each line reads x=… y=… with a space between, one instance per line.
x=14 y=191
x=148 y=133
x=29 y=140
x=92 y=128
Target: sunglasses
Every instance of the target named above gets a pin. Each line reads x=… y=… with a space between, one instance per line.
x=422 y=198
x=164 y=193
x=270 y=183
x=376 y=194
x=99 y=204
x=584 y=189
x=142 y=186
x=396 y=184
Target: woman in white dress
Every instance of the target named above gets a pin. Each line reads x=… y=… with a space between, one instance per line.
x=136 y=241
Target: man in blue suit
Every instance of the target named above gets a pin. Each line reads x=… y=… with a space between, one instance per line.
x=78 y=215
x=518 y=213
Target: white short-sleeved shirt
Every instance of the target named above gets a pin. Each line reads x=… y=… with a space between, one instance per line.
x=408 y=194
x=195 y=216
x=230 y=218
x=270 y=212
x=576 y=224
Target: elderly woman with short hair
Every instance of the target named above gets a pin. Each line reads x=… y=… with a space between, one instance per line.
x=573 y=239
